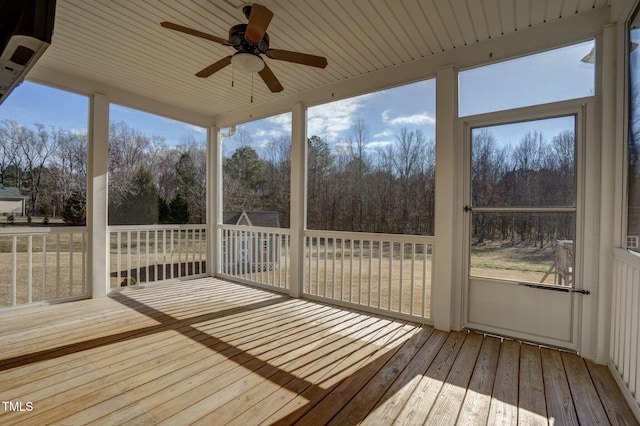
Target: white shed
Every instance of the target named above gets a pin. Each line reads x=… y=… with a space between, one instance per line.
x=12 y=202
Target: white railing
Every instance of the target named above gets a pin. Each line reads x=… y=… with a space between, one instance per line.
x=42 y=264
x=378 y=272
x=624 y=354
x=152 y=253
x=255 y=255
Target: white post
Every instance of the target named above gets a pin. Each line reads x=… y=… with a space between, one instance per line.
x=447 y=235
x=97 y=194
x=214 y=199
x=298 y=212
x=609 y=189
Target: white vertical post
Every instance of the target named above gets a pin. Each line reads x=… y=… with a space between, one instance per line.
x=30 y=268
x=97 y=193
x=298 y=196
x=214 y=200
x=446 y=212
x=610 y=68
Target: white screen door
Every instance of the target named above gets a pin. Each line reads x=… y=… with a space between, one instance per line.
x=521 y=218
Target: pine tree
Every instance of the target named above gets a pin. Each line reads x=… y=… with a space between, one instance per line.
x=178 y=210
x=75 y=209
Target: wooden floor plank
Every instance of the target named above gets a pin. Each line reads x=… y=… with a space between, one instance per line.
x=341 y=365
x=157 y=395
x=359 y=407
x=63 y=365
x=323 y=411
x=451 y=396
x=504 y=399
x=292 y=366
x=477 y=401
x=618 y=411
x=394 y=400
x=556 y=388
x=258 y=404
x=532 y=407
x=422 y=399
x=211 y=351
x=585 y=397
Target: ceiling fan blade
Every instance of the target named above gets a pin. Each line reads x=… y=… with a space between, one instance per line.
x=196 y=33
x=296 y=57
x=215 y=67
x=258 y=22
x=270 y=80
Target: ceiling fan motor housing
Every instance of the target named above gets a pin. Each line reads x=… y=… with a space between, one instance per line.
x=241 y=44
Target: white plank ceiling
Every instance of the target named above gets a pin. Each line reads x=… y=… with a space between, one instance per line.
x=119 y=43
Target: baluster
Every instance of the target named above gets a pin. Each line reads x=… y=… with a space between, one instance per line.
x=14 y=270
x=390 y=274
x=57 y=265
x=29 y=268
x=44 y=267
x=71 y=237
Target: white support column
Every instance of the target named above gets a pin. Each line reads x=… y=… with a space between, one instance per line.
x=609 y=190
x=214 y=199
x=97 y=194
x=445 y=308
x=298 y=212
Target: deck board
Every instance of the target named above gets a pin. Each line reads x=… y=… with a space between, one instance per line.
x=504 y=400
x=209 y=351
x=475 y=408
x=532 y=408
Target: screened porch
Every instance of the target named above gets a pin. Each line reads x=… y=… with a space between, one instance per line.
x=439 y=225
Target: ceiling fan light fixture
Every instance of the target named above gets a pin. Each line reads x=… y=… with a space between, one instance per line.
x=247 y=62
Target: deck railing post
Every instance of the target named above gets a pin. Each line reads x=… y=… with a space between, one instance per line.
x=298 y=197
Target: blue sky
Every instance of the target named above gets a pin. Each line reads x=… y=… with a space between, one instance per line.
x=551 y=76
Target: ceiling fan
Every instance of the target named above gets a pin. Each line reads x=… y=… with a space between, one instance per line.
x=251 y=40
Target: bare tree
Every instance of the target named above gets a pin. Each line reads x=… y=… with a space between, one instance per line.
x=11 y=135
x=36 y=149
x=127 y=148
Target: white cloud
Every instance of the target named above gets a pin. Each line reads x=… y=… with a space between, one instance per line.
x=387 y=133
x=197 y=129
x=335 y=117
x=415 y=119
x=78 y=131
x=379 y=144
x=282 y=120
x=270 y=133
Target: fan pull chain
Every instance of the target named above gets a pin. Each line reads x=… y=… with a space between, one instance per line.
x=232 y=69
x=252 y=87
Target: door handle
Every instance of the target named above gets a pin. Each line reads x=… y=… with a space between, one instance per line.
x=564 y=289
x=467 y=209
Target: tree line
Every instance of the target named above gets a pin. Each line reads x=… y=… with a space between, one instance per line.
x=47 y=165
x=353 y=184
x=532 y=172
x=149 y=181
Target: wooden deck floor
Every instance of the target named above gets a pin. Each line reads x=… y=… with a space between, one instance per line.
x=211 y=352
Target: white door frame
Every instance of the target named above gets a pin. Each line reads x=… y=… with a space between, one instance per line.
x=582 y=108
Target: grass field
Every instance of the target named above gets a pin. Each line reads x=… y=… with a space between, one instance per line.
x=519 y=262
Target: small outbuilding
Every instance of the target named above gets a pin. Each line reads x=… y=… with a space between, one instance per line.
x=254 y=250
x=12 y=202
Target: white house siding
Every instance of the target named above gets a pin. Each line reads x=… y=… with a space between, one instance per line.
x=11 y=206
